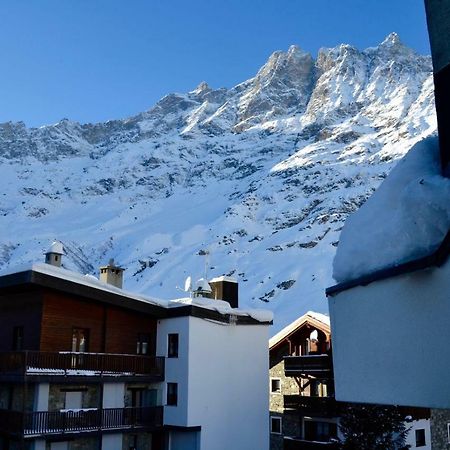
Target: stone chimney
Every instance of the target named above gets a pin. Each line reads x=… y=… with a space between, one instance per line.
x=112 y=274
x=54 y=254
x=225 y=288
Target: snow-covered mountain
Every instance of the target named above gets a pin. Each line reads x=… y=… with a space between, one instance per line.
x=260 y=176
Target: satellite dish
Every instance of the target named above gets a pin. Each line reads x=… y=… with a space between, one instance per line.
x=188 y=284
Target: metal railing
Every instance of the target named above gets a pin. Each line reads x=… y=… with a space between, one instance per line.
x=312 y=405
x=87 y=420
x=300 y=444
x=69 y=363
x=319 y=365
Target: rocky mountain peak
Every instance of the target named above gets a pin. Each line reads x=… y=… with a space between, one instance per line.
x=262 y=175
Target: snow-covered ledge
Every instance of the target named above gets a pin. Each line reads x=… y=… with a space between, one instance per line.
x=390 y=312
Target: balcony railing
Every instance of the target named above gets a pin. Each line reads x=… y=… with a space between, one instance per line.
x=83 y=420
x=80 y=364
x=312 y=406
x=316 y=365
x=299 y=444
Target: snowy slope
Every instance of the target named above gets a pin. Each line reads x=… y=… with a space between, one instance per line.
x=262 y=176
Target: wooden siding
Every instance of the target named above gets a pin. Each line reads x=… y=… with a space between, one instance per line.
x=20 y=309
x=122 y=329
x=61 y=314
x=111 y=329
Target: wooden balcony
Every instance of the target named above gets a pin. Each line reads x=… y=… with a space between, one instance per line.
x=300 y=444
x=46 y=423
x=68 y=364
x=319 y=366
x=312 y=406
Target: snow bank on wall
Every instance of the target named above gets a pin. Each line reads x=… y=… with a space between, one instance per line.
x=406 y=218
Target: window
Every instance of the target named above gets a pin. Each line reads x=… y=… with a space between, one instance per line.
x=172 y=345
x=420 y=437
x=143 y=346
x=172 y=394
x=80 y=340
x=275 y=425
x=17 y=338
x=275 y=385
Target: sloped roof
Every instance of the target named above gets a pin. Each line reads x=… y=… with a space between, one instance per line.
x=319 y=320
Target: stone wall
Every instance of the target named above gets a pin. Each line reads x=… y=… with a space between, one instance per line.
x=141 y=441
x=88 y=443
x=57 y=396
x=290 y=423
x=439 y=434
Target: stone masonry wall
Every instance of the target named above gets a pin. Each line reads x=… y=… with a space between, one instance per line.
x=290 y=423
x=439 y=434
x=57 y=396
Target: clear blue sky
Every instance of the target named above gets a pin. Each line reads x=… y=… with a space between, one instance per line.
x=93 y=60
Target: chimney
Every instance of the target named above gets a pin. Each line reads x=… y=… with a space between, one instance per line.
x=54 y=254
x=225 y=288
x=112 y=274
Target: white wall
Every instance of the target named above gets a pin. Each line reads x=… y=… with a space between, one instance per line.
x=417 y=425
x=391 y=340
x=222 y=374
x=177 y=369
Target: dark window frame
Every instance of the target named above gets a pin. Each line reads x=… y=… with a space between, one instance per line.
x=273 y=383
x=420 y=437
x=18 y=338
x=173 y=341
x=279 y=427
x=143 y=344
x=172 y=394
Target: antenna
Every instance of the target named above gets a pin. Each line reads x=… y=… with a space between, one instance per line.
x=206 y=254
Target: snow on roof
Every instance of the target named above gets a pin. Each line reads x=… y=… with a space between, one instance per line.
x=405 y=219
x=223 y=278
x=89 y=280
x=286 y=331
x=202 y=285
x=224 y=307
x=56 y=247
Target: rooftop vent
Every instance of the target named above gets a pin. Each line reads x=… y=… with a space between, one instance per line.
x=54 y=254
x=112 y=274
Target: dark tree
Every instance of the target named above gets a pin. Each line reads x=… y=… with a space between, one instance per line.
x=372 y=427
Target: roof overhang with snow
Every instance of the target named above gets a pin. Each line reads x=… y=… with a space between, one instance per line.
x=317 y=320
x=67 y=282
x=435 y=259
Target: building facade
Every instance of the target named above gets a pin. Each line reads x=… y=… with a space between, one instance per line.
x=87 y=365
x=304 y=413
